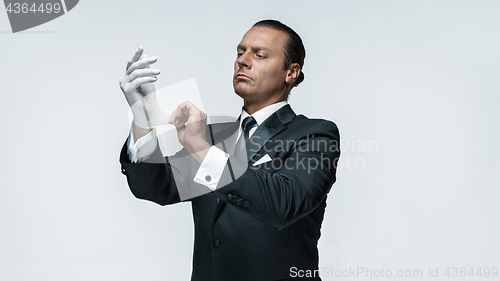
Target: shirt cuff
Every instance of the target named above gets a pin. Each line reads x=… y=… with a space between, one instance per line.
x=211 y=168
x=143 y=148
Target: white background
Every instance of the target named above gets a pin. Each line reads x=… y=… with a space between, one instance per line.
x=419 y=79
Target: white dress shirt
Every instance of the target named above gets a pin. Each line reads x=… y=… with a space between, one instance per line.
x=213 y=165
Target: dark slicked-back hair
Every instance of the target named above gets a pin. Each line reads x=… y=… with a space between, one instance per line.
x=294 y=49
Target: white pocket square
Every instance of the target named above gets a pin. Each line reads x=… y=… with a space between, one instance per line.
x=264 y=159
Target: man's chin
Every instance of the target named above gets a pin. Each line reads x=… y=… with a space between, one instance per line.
x=241 y=90
x=240 y=94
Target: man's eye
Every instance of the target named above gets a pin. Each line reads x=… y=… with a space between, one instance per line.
x=240 y=54
x=260 y=56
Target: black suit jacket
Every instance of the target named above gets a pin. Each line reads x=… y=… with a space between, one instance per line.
x=268 y=218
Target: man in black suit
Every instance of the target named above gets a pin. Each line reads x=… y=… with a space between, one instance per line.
x=261 y=222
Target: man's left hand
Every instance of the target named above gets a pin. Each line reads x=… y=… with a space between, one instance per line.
x=191 y=124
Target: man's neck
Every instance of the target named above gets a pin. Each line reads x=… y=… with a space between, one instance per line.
x=252 y=107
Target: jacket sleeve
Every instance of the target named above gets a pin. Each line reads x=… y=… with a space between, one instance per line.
x=152 y=180
x=301 y=181
x=163 y=180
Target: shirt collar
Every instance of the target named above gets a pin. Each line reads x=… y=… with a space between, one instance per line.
x=261 y=115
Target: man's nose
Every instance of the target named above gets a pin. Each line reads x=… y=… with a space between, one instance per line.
x=243 y=60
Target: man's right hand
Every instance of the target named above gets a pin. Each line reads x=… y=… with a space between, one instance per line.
x=137 y=85
x=138 y=80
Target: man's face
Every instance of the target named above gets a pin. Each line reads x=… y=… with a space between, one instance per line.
x=259 y=76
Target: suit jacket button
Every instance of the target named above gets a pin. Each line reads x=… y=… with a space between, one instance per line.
x=246 y=204
x=229 y=197
x=123 y=171
x=235 y=199
x=216 y=243
x=239 y=202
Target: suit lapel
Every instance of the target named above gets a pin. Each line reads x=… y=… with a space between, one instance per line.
x=222 y=132
x=268 y=129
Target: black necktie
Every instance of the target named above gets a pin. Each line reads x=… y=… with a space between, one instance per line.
x=246 y=125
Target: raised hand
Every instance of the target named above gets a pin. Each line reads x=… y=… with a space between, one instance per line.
x=191 y=123
x=138 y=87
x=138 y=80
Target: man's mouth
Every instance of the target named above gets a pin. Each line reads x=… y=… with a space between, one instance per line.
x=242 y=76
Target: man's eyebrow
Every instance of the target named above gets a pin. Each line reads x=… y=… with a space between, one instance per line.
x=241 y=47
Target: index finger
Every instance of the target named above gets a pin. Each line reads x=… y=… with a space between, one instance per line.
x=136 y=56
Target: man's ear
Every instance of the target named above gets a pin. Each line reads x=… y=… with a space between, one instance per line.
x=292 y=73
